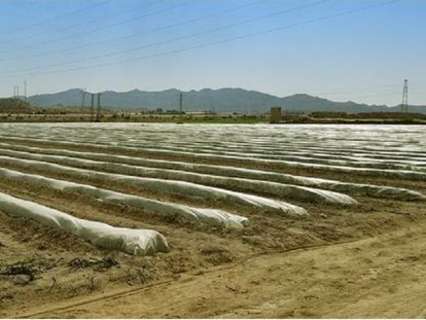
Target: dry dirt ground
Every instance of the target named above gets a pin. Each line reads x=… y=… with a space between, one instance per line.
x=361 y=261
x=381 y=276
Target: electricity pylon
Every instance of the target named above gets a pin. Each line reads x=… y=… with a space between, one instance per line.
x=404 y=104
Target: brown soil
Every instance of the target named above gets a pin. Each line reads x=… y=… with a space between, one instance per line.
x=362 y=261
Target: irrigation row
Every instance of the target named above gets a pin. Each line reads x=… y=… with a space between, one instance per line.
x=165 y=171
x=276 y=151
x=388 y=173
x=214 y=175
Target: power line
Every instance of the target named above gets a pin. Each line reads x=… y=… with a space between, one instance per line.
x=61 y=30
x=388 y=94
x=74 y=12
x=96 y=29
x=136 y=34
x=346 y=91
x=227 y=40
x=185 y=37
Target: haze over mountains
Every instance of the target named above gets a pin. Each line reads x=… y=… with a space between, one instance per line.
x=219 y=100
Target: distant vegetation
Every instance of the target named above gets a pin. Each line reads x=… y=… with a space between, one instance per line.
x=18 y=110
x=15 y=105
x=368 y=115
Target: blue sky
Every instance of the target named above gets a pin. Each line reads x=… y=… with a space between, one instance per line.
x=339 y=49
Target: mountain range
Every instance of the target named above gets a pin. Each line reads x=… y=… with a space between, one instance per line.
x=219 y=100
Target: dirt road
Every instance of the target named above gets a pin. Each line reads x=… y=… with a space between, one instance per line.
x=382 y=276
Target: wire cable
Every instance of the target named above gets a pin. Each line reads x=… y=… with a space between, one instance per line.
x=219 y=42
x=40 y=23
x=99 y=28
x=185 y=37
x=136 y=34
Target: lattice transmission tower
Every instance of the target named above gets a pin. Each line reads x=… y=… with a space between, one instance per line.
x=180 y=102
x=404 y=104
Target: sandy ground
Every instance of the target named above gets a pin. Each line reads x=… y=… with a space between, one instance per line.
x=381 y=276
x=360 y=261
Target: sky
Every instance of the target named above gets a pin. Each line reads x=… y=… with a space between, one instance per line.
x=343 y=50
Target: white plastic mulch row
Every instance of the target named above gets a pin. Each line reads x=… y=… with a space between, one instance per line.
x=198 y=215
x=227 y=171
x=182 y=188
x=390 y=173
x=291 y=156
x=393 y=173
x=279 y=190
x=313 y=157
x=132 y=241
x=293 y=151
x=403 y=140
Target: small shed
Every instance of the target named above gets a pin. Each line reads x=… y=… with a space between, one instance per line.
x=276 y=115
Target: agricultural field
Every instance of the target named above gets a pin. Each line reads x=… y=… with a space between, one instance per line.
x=198 y=220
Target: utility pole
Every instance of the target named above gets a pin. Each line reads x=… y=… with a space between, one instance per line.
x=92 y=106
x=16 y=91
x=180 y=102
x=83 y=98
x=25 y=90
x=98 y=109
x=404 y=104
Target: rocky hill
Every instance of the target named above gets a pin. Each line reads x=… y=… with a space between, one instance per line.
x=220 y=100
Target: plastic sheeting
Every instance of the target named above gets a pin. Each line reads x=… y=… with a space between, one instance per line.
x=371 y=190
x=182 y=188
x=279 y=190
x=132 y=241
x=197 y=215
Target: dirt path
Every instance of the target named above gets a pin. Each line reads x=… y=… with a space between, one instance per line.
x=382 y=276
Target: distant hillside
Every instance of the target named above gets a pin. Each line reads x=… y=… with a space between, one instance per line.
x=220 y=100
x=15 y=105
